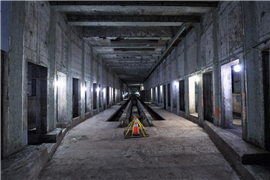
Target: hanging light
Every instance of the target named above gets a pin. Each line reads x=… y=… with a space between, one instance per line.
x=237 y=68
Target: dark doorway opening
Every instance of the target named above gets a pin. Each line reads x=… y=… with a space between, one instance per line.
x=114 y=95
x=208 y=96
x=37 y=103
x=182 y=95
x=108 y=95
x=95 y=96
x=266 y=84
x=164 y=96
x=75 y=97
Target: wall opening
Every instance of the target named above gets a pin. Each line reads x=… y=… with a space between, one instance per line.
x=231 y=97
x=61 y=97
x=37 y=103
x=169 y=94
x=193 y=95
x=108 y=95
x=114 y=95
x=208 y=96
x=182 y=95
x=266 y=84
x=95 y=90
x=164 y=96
x=76 y=91
x=236 y=97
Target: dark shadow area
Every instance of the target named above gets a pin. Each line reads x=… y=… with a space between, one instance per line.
x=116 y=116
x=37 y=103
x=94 y=96
x=75 y=97
x=208 y=96
x=182 y=95
x=164 y=96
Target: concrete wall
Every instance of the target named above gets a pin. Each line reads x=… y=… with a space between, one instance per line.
x=43 y=37
x=221 y=37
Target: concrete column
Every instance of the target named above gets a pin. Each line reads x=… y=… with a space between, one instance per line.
x=69 y=79
x=186 y=79
x=51 y=98
x=216 y=75
x=200 y=83
x=91 y=81
x=252 y=81
x=17 y=85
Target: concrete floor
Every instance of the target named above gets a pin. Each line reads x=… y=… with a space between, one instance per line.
x=175 y=149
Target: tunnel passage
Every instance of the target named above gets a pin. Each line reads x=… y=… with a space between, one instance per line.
x=37 y=103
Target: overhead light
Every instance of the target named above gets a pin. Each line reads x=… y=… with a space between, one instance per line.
x=237 y=68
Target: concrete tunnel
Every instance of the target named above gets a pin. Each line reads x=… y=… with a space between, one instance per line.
x=196 y=74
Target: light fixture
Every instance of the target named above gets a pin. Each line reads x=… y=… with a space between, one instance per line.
x=237 y=68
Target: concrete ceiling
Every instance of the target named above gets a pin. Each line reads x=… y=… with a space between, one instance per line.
x=133 y=37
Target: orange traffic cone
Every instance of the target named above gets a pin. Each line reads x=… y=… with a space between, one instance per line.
x=136 y=128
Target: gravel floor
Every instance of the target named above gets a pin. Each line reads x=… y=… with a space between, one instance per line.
x=175 y=149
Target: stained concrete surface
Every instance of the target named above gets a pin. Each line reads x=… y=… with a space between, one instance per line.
x=175 y=149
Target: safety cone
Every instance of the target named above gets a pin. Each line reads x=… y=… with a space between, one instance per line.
x=136 y=128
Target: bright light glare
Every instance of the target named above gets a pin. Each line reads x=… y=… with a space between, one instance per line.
x=58 y=83
x=237 y=68
x=176 y=83
x=97 y=89
x=84 y=89
x=196 y=78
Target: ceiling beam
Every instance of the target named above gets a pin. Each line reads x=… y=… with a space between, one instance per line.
x=131 y=32
x=133 y=10
x=127 y=38
x=136 y=3
x=134 y=53
x=88 y=20
x=130 y=46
